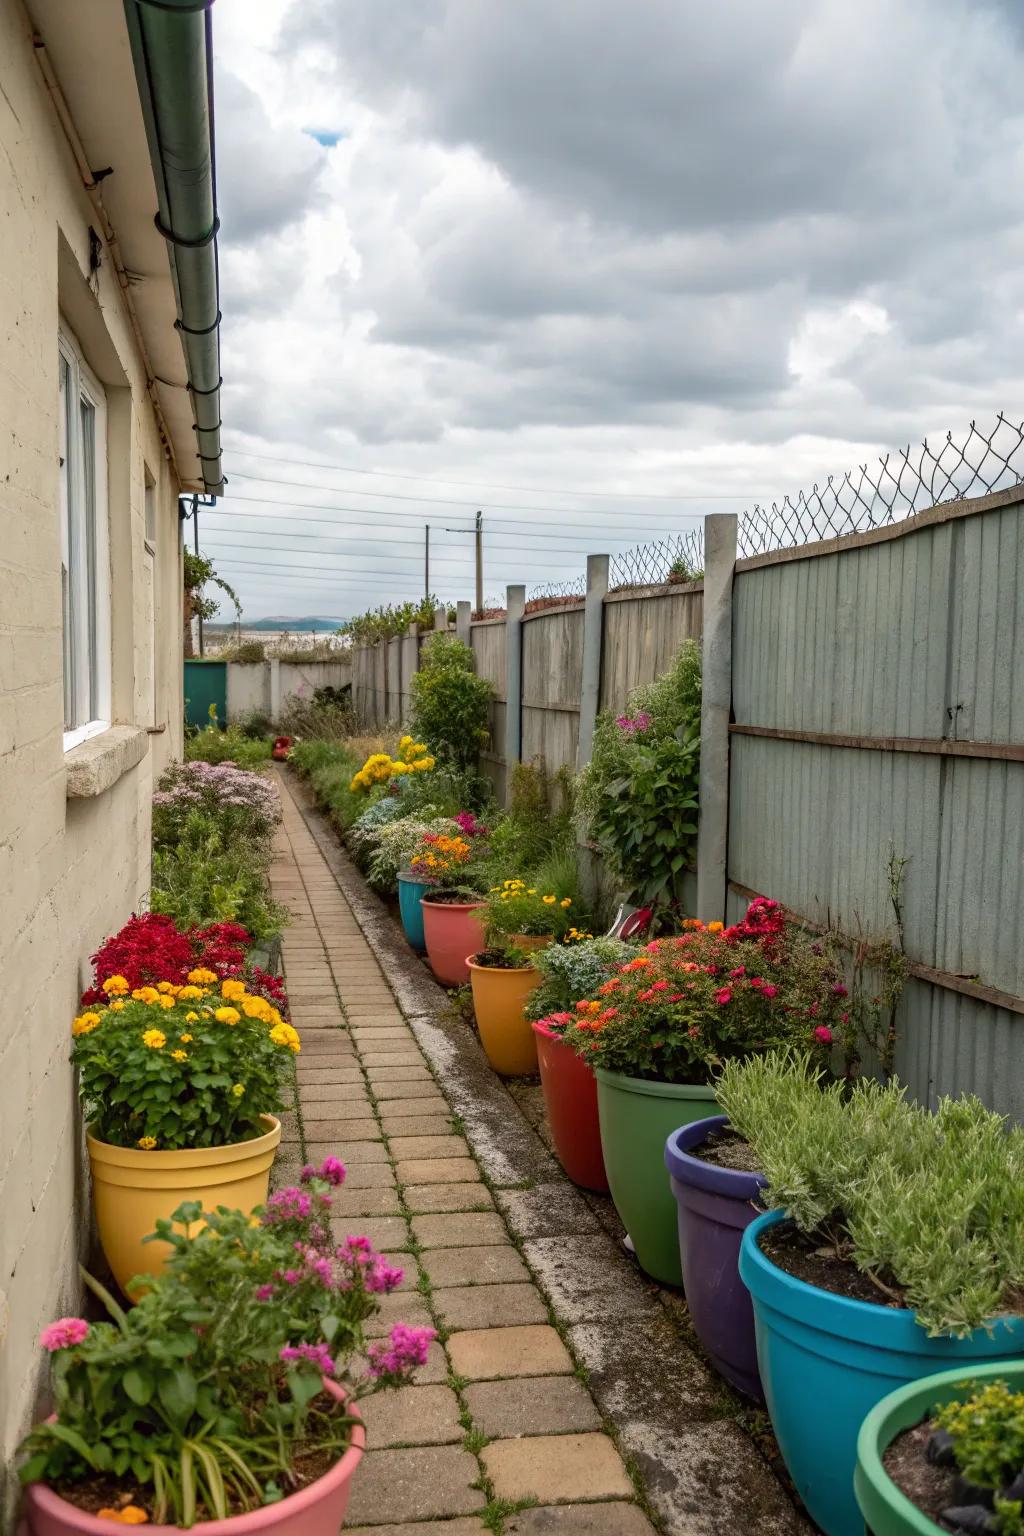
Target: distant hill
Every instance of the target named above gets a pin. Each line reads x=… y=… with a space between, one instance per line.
x=314 y=626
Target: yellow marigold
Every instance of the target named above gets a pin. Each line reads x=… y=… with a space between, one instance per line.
x=179 y=1055
x=227 y=1015
x=191 y=994
x=115 y=985
x=166 y=1001
x=549 y=901
x=532 y=891
x=131 y=1514
x=117 y=1005
x=284 y=1034
x=234 y=991
x=191 y=1018
x=165 y=986
x=400 y=768
x=85 y=1022
x=201 y=977
x=145 y=994
x=155 y=1039
x=185 y=1039
x=147 y=1143
x=256 y=1008
x=275 y=1017
x=566 y=901
x=405 y=741
x=238 y=1089
x=715 y=927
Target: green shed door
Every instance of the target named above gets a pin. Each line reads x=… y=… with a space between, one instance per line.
x=206 y=683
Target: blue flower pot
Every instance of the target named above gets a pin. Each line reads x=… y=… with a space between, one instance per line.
x=410 y=905
x=825 y=1361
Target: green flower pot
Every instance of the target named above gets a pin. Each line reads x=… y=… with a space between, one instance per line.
x=886 y=1511
x=637 y=1116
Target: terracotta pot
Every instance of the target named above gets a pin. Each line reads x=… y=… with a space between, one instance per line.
x=317 y=1510
x=132 y=1189
x=451 y=930
x=499 y=997
x=570 y=1096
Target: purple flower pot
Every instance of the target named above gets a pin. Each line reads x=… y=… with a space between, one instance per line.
x=715 y=1206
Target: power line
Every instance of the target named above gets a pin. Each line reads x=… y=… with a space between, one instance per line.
x=491 y=485
x=446 y=501
x=225 y=554
x=517 y=540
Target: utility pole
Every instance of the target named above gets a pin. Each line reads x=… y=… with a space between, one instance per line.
x=426 y=561
x=195 y=530
x=479 y=542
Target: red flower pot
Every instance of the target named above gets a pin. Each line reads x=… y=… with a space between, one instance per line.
x=316 y=1510
x=451 y=930
x=570 y=1093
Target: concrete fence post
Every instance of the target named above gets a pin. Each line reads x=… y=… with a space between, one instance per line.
x=440 y=618
x=463 y=616
x=715 y=710
x=593 y=634
x=410 y=665
x=275 y=689
x=515 y=602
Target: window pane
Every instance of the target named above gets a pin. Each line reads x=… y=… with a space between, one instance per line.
x=65 y=546
x=88 y=515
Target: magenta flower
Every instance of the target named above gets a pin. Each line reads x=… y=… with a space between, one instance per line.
x=382 y=1276
x=723 y=997
x=65 y=1333
x=290 y=1204
x=839 y=990
x=333 y=1170
x=405 y=1349
x=769 y=991
x=264 y=1292
x=316 y=1354
x=824 y=1034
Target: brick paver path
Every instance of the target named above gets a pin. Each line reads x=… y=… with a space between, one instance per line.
x=498 y=1422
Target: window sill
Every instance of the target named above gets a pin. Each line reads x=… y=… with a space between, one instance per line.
x=94 y=766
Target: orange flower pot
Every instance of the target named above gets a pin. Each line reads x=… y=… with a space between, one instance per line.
x=499 y=997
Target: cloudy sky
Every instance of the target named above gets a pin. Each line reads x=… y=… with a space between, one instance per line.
x=595 y=268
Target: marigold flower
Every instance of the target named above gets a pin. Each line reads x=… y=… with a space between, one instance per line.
x=191 y=1018
x=284 y=1034
x=185 y=1039
x=155 y=1039
x=179 y=1055
x=166 y=1001
x=234 y=991
x=65 y=1333
x=549 y=901
x=145 y=994
x=191 y=994
x=147 y=1143
x=85 y=1022
x=115 y=985
x=164 y=986
x=238 y=1089
x=117 y=1005
x=566 y=901
x=201 y=977
x=715 y=927
x=227 y=1015
x=129 y=1514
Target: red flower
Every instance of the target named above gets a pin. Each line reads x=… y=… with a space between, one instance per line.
x=824 y=1034
x=740 y=970
x=769 y=991
x=723 y=997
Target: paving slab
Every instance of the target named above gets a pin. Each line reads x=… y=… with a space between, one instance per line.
x=557 y=1468
x=489 y=1306
x=534 y=1405
x=423 y=1482
x=458 y=1229
x=447 y=1197
x=412 y=1416
x=609 y=1519
x=474 y=1266
x=485 y=1354
x=442 y=1170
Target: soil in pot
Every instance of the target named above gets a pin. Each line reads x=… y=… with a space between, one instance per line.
x=931 y=1488
x=823 y=1268
x=727 y=1150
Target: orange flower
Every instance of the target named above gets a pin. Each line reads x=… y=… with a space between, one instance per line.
x=715 y=927
x=130 y=1514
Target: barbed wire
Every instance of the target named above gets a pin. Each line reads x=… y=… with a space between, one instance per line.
x=569 y=586
x=677 y=558
x=905 y=481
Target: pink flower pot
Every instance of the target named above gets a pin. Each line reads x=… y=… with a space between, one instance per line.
x=317 y=1510
x=452 y=930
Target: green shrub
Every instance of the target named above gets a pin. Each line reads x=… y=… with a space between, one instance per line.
x=450 y=702
x=243 y=651
x=327 y=719
x=255 y=724
x=571 y=972
x=929 y=1205
x=987 y=1431
x=207 y=878
x=637 y=799
x=388 y=848
x=329 y=766
x=231 y=746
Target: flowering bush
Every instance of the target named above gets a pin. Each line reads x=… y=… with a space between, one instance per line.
x=209 y=876
x=444 y=861
x=637 y=799
x=151 y=948
x=573 y=971
x=381 y=768
x=514 y=907
x=206 y=1399
x=180 y=1065
x=930 y=1207
x=243 y=804
x=395 y=844
x=684 y=1005
x=450 y=702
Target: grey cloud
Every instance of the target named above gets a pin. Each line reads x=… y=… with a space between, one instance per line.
x=267 y=175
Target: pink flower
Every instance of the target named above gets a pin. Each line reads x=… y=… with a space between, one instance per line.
x=264 y=1292
x=769 y=991
x=290 y=1204
x=757 y=981
x=723 y=997
x=740 y=970
x=839 y=990
x=382 y=1276
x=65 y=1333
x=332 y=1169
x=316 y=1354
x=405 y=1349
x=824 y=1034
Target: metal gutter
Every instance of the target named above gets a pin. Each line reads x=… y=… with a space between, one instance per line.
x=173 y=55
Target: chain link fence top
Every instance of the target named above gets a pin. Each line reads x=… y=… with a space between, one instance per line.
x=902 y=482
x=680 y=557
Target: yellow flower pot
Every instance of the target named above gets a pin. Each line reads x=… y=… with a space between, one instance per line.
x=498 y=999
x=131 y=1190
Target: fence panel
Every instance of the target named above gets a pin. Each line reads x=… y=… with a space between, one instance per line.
x=642 y=634
x=908 y=648
x=488 y=638
x=552 y=677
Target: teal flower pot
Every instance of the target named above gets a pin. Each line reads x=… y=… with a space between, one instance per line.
x=410 y=905
x=886 y=1511
x=826 y=1361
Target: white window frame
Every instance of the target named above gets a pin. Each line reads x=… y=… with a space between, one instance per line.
x=84 y=518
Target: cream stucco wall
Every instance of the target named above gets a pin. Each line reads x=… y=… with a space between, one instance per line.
x=71 y=869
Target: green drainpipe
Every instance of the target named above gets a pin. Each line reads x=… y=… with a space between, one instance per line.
x=173 y=56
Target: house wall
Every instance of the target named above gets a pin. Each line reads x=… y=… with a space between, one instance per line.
x=74 y=834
